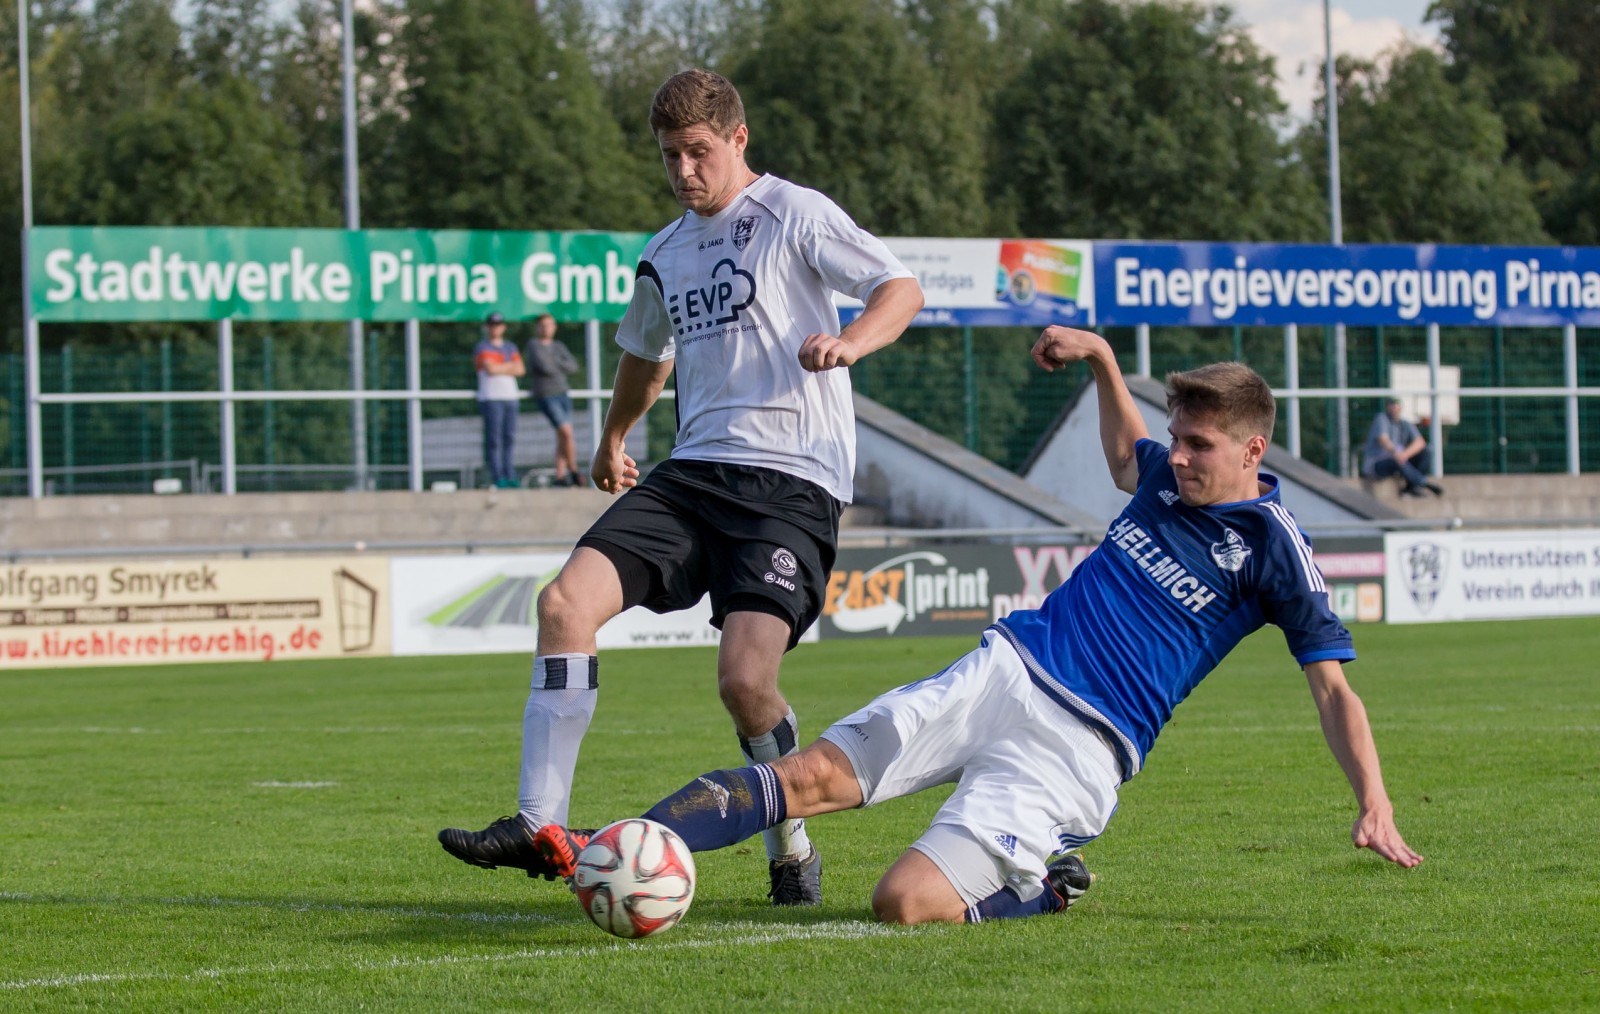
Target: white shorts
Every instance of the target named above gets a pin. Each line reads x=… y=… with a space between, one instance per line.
x=1032 y=780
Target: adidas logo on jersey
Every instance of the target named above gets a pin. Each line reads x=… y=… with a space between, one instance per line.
x=1007 y=842
x=1169 y=497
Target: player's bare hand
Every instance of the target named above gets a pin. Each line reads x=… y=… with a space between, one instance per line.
x=1058 y=346
x=614 y=471
x=1375 y=830
x=825 y=352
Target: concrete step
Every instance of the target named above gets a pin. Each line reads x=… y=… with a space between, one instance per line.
x=268 y=521
x=1512 y=498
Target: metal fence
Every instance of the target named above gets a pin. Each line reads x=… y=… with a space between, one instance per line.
x=125 y=405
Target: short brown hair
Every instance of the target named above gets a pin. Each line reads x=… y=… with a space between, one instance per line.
x=1231 y=396
x=696 y=96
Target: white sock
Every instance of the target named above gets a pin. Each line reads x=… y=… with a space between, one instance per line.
x=787 y=840
x=560 y=704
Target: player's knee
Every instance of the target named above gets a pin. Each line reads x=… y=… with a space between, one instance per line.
x=744 y=692
x=564 y=614
x=894 y=903
x=816 y=780
x=554 y=605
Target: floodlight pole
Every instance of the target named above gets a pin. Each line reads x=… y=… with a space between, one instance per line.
x=1341 y=374
x=30 y=327
x=352 y=221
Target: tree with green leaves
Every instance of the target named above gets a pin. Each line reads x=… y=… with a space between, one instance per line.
x=841 y=97
x=1538 y=61
x=1422 y=159
x=499 y=127
x=1144 y=121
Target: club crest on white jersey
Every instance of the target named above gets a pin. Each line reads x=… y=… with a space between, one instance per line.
x=743 y=229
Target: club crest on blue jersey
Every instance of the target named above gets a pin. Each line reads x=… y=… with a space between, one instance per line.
x=1231 y=552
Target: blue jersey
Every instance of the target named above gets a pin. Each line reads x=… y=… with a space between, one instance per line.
x=1164 y=598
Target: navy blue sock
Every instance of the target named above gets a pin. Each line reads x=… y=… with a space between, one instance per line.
x=1004 y=904
x=721 y=808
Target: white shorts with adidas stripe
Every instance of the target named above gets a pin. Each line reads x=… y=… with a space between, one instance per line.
x=1031 y=779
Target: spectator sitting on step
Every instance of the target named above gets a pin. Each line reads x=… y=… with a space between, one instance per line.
x=1395 y=447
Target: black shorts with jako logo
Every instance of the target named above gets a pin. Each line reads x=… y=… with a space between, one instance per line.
x=755 y=539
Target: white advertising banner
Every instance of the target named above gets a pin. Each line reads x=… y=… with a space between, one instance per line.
x=1440 y=576
x=193 y=610
x=996 y=282
x=457 y=605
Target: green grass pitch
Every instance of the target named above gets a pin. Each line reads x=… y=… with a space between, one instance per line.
x=261 y=836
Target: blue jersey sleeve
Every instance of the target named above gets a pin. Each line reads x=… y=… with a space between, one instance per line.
x=1150 y=456
x=1294 y=596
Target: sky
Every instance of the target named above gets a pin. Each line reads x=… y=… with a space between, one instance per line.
x=1291 y=31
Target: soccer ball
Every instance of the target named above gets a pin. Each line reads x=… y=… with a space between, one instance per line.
x=635 y=878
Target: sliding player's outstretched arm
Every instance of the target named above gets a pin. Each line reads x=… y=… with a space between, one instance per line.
x=1349 y=736
x=1121 y=425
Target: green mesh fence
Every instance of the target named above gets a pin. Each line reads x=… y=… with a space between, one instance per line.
x=975 y=386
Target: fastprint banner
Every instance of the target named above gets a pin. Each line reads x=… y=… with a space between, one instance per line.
x=193 y=611
x=1270 y=283
x=1437 y=576
x=459 y=605
x=996 y=282
x=122 y=274
x=938 y=589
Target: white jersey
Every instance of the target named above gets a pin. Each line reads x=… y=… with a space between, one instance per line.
x=733 y=296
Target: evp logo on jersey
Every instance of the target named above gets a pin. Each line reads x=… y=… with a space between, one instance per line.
x=697 y=308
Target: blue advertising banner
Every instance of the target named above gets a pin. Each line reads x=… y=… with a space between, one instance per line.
x=1275 y=284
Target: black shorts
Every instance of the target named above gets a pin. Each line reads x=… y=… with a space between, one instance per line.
x=756 y=539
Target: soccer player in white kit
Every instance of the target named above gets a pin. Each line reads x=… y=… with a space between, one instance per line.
x=738 y=292
x=1058 y=706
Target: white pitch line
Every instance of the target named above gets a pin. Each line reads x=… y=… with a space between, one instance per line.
x=294 y=785
x=330 y=730
x=291 y=906
x=774 y=935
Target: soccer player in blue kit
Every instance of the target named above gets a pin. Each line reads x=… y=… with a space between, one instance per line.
x=1056 y=707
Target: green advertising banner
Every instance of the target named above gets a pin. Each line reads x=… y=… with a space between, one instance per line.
x=125 y=274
